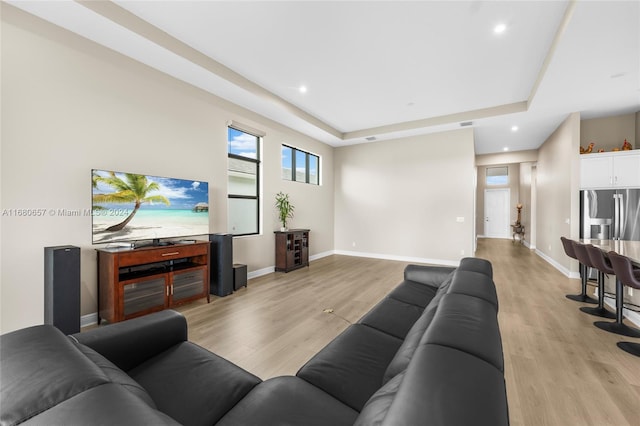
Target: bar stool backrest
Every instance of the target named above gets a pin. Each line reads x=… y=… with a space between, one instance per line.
x=567 y=244
x=624 y=270
x=599 y=260
x=581 y=253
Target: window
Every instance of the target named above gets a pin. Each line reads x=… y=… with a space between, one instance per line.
x=497 y=175
x=243 y=186
x=300 y=166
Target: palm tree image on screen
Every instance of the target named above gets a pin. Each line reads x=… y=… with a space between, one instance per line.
x=134 y=189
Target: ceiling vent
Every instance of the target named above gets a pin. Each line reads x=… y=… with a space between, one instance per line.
x=371 y=138
x=466 y=123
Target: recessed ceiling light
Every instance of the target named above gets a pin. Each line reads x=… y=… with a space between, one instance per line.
x=302 y=89
x=514 y=128
x=499 y=29
x=506 y=148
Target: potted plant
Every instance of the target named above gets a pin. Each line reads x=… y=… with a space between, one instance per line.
x=285 y=209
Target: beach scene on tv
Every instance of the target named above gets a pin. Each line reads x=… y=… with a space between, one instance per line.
x=135 y=207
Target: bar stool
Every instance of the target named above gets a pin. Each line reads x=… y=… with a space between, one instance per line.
x=625 y=275
x=593 y=257
x=567 y=244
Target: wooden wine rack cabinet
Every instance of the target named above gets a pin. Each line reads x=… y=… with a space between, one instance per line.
x=292 y=249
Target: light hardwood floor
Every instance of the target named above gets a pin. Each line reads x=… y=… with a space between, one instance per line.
x=559 y=368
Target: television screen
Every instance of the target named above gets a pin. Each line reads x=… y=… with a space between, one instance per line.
x=134 y=207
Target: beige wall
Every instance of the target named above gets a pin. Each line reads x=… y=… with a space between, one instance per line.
x=635 y=145
x=609 y=132
x=403 y=197
x=557 y=198
x=526 y=188
x=69 y=105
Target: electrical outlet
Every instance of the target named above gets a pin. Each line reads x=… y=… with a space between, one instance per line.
x=353 y=244
x=460 y=219
x=461 y=252
x=630 y=291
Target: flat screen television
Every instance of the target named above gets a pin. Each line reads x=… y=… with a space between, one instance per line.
x=129 y=207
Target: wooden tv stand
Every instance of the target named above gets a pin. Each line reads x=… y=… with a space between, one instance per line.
x=135 y=282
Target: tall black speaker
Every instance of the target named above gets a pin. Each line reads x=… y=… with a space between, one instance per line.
x=62 y=288
x=221 y=264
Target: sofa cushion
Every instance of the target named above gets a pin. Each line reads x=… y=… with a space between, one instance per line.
x=475 y=284
x=115 y=375
x=129 y=343
x=402 y=357
x=193 y=385
x=426 y=274
x=392 y=316
x=445 y=386
x=41 y=368
x=288 y=400
x=375 y=410
x=105 y=405
x=413 y=292
x=475 y=264
x=468 y=324
x=351 y=367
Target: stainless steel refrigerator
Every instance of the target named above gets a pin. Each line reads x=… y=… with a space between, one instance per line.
x=610 y=214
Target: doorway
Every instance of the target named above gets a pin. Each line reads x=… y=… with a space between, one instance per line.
x=496 y=213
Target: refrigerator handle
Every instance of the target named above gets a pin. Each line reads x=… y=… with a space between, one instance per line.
x=620 y=216
x=616 y=218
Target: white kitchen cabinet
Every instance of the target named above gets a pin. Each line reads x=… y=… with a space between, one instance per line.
x=610 y=170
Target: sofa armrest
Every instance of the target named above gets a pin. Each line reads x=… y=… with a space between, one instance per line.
x=129 y=343
x=429 y=275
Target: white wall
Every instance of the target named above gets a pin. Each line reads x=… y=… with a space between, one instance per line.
x=400 y=198
x=69 y=105
x=526 y=190
x=558 y=194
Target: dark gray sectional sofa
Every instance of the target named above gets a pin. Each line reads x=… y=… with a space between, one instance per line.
x=429 y=353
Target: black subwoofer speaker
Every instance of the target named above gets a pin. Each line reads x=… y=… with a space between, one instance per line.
x=221 y=264
x=62 y=288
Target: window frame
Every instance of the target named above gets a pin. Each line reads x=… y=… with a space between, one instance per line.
x=307 y=174
x=487 y=176
x=257 y=162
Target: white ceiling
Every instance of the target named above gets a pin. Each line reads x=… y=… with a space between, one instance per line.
x=386 y=69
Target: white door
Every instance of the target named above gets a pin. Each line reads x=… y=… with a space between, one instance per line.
x=496 y=213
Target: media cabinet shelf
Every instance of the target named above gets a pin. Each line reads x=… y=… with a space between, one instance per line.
x=135 y=282
x=292 y=249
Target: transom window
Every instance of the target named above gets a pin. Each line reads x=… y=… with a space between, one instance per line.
x=497 y=175
x=300 y=166
x=243 y=186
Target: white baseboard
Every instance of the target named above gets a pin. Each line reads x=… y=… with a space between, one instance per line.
x=634 y=317
x=630 y=315
x=261 y=272
x=398 y=258
x=89 y=319
x=566 y=272
x=321 y=255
